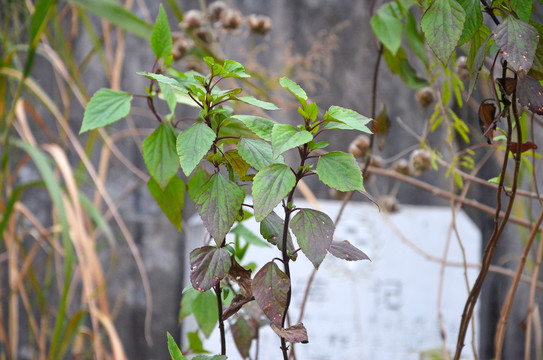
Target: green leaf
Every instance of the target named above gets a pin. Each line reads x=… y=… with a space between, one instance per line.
x=218 y=202
x=234 y=69
x=159 y=154
x=388 y=27
x=415 y=38
x=517 y=41
x=206 y=357
x=270 y=287
x=480 y=55
x=350 y=119
x=257 y=153
x=42 y=12
x=170 y=96
x=175 y=353
x=193 y=144
x=270 y=186
x=474 y=19
x=346 y=251
x=286 y=137
x=208 y=266
x=259 y=125
x=255 y=102
x=196 y=181
x=293 y=88
x=340 y=171
x=314 y=231
x=442 y=24
x=399 y=65
x=170 y=200
x=161 y=38
x=523 y=8
x=105 y=107
x=271 y=228
x=204 y=308
x=117 y=15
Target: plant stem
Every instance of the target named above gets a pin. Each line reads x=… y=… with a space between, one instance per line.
x=218 y=293
x=304 y=152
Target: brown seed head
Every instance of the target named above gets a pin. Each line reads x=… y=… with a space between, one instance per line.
x=425 y=96
x=420 y=161
x=193 y=19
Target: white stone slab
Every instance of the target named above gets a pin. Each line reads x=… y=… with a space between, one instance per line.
x=384 y=309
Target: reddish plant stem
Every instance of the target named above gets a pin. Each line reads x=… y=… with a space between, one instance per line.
x=218 y=292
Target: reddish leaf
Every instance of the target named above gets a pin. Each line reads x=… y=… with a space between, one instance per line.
x=528 y=145
x=237 y=302
x=294 y=334
x=488 y=119
x=345 y=250
x=270 y=288
x=208 y=265
x=242 y=277
x=510 y=85
x=530 y=94
x=244 y=332
x=271 y=228
x=314 y=231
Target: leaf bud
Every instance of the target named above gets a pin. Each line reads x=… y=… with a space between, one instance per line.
x=425 y=96
x=420 y=161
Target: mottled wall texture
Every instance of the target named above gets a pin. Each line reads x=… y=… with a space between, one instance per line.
x=328 y=47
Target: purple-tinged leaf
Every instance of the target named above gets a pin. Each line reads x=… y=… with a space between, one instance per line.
x=208 y=266
x=270 y=186
x=244 y=332
x=314 y=231
x=242 y=277
x=345 y=250
x=530 y=94
x=517 y=41
x=270 y=288
x=293 y=334
x=237 y=302
x=218 y=201
x=271 y=228
x=442 y=24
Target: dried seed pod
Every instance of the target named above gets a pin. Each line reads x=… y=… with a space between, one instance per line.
x=376 y=161
x=204 y=35
x=259 y=24
x=461 y=68
x=231 y=19
x=215 y=9
x=193 y=19
x=353 y=149
x=401 y=166
x=363 y=143
x=420 y=161
x=180 y=45
x=425 y=96
x=388 y=203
